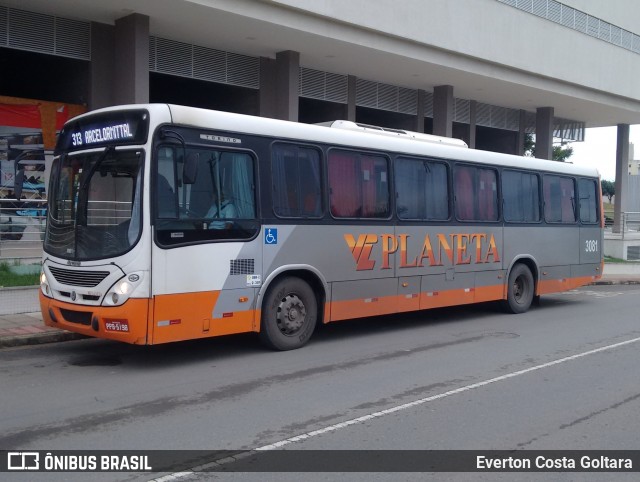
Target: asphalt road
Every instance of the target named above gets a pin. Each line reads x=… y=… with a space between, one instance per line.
x=562 y=376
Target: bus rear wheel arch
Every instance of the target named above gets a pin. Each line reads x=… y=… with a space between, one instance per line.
x=289 y=314
x=520 y=289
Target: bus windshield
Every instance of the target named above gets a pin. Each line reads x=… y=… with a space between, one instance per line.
x=94 y=204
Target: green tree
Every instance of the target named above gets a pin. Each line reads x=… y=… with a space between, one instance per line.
x=608 y=188
x=561 y=152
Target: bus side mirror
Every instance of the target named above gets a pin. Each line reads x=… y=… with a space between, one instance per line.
x=190 y=168
x=19 y=180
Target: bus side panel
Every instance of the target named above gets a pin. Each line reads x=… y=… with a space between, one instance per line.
x=205 y=290
x=552 y=248
x=409 y=293
x=554 y=279
x=357 y=262
x=356 y=299
x=447 y=290
x=489 y=285
x=591 y=244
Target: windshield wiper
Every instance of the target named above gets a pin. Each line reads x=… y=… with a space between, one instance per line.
x=94 y=168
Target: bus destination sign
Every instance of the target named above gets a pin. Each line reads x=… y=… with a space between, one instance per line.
x=129 y=127
x=106 y=134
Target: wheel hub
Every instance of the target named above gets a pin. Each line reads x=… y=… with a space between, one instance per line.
x=291 y=314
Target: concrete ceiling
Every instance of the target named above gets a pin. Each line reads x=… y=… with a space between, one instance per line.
x=200 y=23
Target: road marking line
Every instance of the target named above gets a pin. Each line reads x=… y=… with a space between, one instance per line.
x=388 y=411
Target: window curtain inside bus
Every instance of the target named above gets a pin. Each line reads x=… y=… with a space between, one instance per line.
x=296 y=181
x=359 y=185
x=242 y=183
x=488 y=196
x=559 y=199
x=282 y=165
x=568 y=200
x=312 y=203
x=368 y=173
x=464 y=193
x=521 y=198
x=345 y=196
x=422 y=189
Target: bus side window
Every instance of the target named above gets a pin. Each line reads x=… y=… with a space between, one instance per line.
x=559 y=199
x=588 y=201
x=297 y=183
x=521 y=198
x=358 y=185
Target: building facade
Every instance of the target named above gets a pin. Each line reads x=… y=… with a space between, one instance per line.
x=485 y=71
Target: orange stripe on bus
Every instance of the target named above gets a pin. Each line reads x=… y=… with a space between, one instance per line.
x=188 y=316
x=193 y=310
x=546 y=287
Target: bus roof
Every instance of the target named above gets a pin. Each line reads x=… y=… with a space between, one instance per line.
x=347 y=134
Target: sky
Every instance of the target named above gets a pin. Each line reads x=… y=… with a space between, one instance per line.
x=599 y=149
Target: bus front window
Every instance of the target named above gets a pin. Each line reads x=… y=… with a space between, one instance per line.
x=94 y=204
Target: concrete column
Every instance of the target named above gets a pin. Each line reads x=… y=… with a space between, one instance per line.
x=522 y=124
x=544 y=133
x=622 y=176
x=473 y=109
x=101 y=68
x=131 y=80
x=351 y=98
x=420 y=111
x=267 y=87
x=287 y=85
x=443 y=110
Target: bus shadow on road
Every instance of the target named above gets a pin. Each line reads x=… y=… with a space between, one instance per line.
x=106 y=353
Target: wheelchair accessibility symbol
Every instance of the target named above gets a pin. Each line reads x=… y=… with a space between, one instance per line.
x=271 y=236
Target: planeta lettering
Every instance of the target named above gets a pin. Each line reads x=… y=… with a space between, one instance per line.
x=440 y=250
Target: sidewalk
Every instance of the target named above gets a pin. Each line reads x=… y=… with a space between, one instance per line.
x=29 y=329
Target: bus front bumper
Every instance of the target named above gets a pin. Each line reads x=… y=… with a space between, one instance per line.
x=126 y=323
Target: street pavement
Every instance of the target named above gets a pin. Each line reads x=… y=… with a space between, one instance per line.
x=29 y=329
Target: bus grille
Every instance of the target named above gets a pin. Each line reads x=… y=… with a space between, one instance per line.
x=88 y=279
x=241 y=266
x=79 y=317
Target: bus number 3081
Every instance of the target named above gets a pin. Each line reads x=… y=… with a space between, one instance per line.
x=591 y=246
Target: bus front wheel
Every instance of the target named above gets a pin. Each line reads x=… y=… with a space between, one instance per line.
x=289 y=314
x=520 y=289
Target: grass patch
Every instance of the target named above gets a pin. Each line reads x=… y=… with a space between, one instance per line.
x=9 y=278
x=609 y=259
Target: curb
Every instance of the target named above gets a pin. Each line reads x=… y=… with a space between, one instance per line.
x=615 y=282
x=40 y=338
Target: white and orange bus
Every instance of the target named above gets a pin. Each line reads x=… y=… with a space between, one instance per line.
x=171 y=223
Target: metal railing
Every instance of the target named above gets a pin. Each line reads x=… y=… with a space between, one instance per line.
x=22 y=225
x=626 y=226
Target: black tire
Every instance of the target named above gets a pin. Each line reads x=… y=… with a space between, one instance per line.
x=289 y=314
x=520 y=289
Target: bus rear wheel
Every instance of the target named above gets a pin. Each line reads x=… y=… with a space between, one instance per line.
x=520 y=289
x=289 y=314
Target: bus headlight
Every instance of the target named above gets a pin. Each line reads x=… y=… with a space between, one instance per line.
x=44 y=284
x=122 y=289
